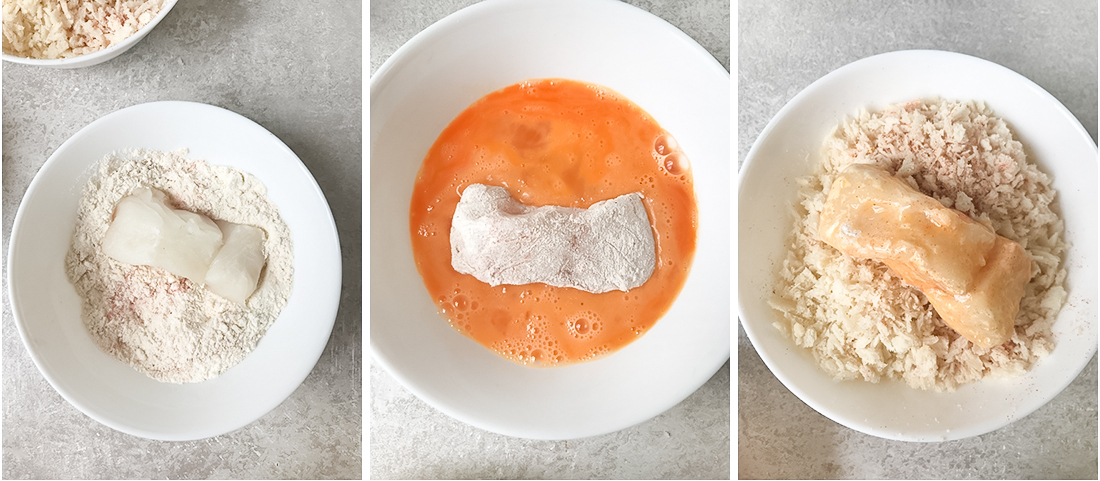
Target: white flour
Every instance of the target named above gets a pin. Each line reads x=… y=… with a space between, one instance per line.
x=163 y=325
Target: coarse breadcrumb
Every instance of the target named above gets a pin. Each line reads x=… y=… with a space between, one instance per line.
x=859 y=320
x=53 y=29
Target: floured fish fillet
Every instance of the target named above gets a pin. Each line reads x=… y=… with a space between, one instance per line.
x=235 y=271
x=973 y=277
x=146 y=231
x=498 y=240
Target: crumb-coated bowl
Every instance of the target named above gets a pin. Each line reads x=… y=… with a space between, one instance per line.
x=483 y=48
x=791 y=145
x=99 y=56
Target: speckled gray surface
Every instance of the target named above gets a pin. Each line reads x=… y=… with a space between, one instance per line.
x=296 y=69
x=783 y=46
x=409 y=439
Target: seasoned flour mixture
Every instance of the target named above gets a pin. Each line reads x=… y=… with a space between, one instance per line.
x=166 y=326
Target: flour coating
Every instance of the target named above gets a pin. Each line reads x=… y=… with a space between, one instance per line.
x=499 y=240
x=166 y=326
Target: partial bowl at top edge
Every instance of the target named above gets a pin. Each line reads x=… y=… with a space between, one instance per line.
x=99 y=56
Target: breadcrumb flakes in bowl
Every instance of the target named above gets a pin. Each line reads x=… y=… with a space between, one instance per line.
x=790 y=148
x=859 y=319
x=76 y=33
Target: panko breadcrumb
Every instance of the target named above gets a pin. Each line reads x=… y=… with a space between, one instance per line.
x=861 y=321
x=53 y=29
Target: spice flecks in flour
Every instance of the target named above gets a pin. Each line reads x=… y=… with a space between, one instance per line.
x=163 y=325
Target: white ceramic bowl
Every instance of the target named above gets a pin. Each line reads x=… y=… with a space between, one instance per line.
x=790 y=145
x=99 y=56
x=47 y=307
x=433 y=78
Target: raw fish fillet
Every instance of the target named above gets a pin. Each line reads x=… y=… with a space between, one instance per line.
x=224 y=256
x=973 y=277
x=146 y=231
x=235 y=271
x=498 y=240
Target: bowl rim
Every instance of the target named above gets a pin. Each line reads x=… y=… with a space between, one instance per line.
x=460 y=15
x=99 y=56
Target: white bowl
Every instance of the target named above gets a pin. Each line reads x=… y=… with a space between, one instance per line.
x=789 y=147
x=47 y=307
x=483 y=48
x=98 y=56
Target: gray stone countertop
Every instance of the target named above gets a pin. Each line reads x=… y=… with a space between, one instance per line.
x=296 y=69
x=783 y=46
x=409 y=439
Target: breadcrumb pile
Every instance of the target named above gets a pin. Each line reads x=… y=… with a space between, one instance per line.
x=53 y=29
x=859 y=320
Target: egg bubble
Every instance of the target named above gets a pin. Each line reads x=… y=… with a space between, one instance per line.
x=537 y=326
x=675 y=163
x=542 y=350
x=665 y=144
x=583 y=325
x=597 y=352
x=551 y=296
x=460 y=302
x=580 y=326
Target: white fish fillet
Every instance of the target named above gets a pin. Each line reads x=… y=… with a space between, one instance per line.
x=235 y=271
x=146 y=231
x=224 y=256
x=973 y=277
x=498 y=240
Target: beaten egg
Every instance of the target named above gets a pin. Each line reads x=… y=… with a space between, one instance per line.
x=564 y=143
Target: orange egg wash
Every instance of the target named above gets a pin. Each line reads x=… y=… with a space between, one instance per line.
x=565 y=143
